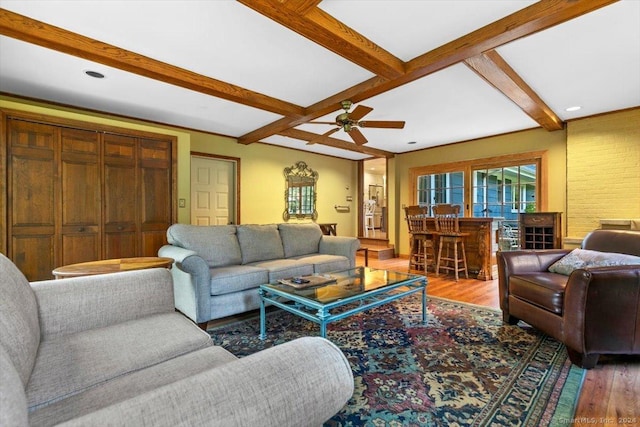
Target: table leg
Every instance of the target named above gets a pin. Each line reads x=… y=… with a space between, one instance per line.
x=322 y=315
x=263 y=316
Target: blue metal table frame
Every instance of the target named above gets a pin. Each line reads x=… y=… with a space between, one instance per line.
x=322 y=313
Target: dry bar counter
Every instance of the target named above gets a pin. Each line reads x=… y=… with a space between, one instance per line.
x=480 y=246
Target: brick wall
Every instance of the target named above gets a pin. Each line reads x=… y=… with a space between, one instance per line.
x=603 y=170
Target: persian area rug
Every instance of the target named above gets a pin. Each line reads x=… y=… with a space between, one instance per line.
x=464 y=367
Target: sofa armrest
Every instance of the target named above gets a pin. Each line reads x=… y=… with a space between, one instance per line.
x=601 y=310
x=191 y=282
x=302 y=382
x=340 y=245
x=511 y=263
x=72 y=305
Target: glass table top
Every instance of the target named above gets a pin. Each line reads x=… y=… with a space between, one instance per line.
x=348 y=283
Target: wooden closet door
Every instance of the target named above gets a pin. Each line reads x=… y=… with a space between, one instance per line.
x=32 y=197
x=121 y=195
x=155 y=194
x=81 y=214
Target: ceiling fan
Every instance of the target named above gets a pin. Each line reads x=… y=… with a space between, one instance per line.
x=350 y=122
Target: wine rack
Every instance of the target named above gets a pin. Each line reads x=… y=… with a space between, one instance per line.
x=541 y=230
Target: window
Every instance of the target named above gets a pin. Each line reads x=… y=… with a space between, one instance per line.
x=439 y=188
x=504 y=191
x=492 y=187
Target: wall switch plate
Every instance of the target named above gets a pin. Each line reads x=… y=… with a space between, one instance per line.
x=182 y=203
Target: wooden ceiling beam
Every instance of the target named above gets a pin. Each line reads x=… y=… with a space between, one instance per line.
x=335 y=143
x=39 y=33
x=537 y=17
x=532 y=19
x=323 y=29
x=495 y=70
x=301 y=6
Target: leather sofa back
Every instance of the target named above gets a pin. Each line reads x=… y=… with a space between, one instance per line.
x=618 y=241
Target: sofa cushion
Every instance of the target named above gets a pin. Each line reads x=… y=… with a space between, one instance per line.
x=285 y=268
x=300 y=239
x=260 y=242
x=216 y=244
x=19 y=323
x=236 y=278
x=325 y=263
x=543 y=289
x=584 y=258
x=73 y=363
x=130 y=386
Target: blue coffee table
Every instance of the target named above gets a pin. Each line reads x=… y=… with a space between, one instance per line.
x=354 y=290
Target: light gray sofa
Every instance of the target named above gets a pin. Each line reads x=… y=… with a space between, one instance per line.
x=112 y=350
x=218 y=269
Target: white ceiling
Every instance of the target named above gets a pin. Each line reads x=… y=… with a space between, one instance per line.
x=592 y=61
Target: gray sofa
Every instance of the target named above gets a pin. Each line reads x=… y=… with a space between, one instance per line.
x=112 y=350
x=218 y=269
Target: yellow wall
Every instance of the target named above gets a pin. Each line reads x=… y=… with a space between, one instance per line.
x=263 y=187
x=603 y=170
x=261 y=178
x=593 y=169
x=518 y=142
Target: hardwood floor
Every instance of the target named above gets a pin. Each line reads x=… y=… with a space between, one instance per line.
x=610 y=392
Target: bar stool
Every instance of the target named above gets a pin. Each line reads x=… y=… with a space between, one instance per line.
x=422 y=253
x=448 y=230
x=369 y=211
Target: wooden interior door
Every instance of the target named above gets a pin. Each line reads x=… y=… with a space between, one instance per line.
x=81 y=211
x=121 y=194
x=73 y=191
x=32 y=197
x=155 y=194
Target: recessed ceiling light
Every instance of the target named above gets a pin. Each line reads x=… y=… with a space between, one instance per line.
x=574 y=108
x=94 y=74
x=411 y=142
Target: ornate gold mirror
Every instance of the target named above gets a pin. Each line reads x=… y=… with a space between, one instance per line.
x=300 y=192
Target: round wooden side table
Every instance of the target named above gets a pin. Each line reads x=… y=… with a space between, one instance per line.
x=111 y=266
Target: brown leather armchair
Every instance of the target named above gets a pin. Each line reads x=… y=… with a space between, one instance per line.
x=592 y=311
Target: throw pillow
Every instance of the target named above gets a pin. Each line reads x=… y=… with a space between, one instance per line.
x=584 y=258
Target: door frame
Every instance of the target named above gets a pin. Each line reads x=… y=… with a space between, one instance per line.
x=236 y=168
x=363 y=195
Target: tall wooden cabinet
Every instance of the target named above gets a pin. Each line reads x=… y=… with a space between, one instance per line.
x=541 y=230
x=76 y=192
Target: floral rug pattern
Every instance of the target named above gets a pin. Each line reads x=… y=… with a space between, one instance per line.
x=463 y=367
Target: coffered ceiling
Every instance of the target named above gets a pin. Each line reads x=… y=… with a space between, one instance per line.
x=261 y=70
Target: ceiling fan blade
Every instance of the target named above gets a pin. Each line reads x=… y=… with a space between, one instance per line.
x=357 y=136
x=331 y=132
x=359 y=112
x=389 y=124
x=323 y=123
